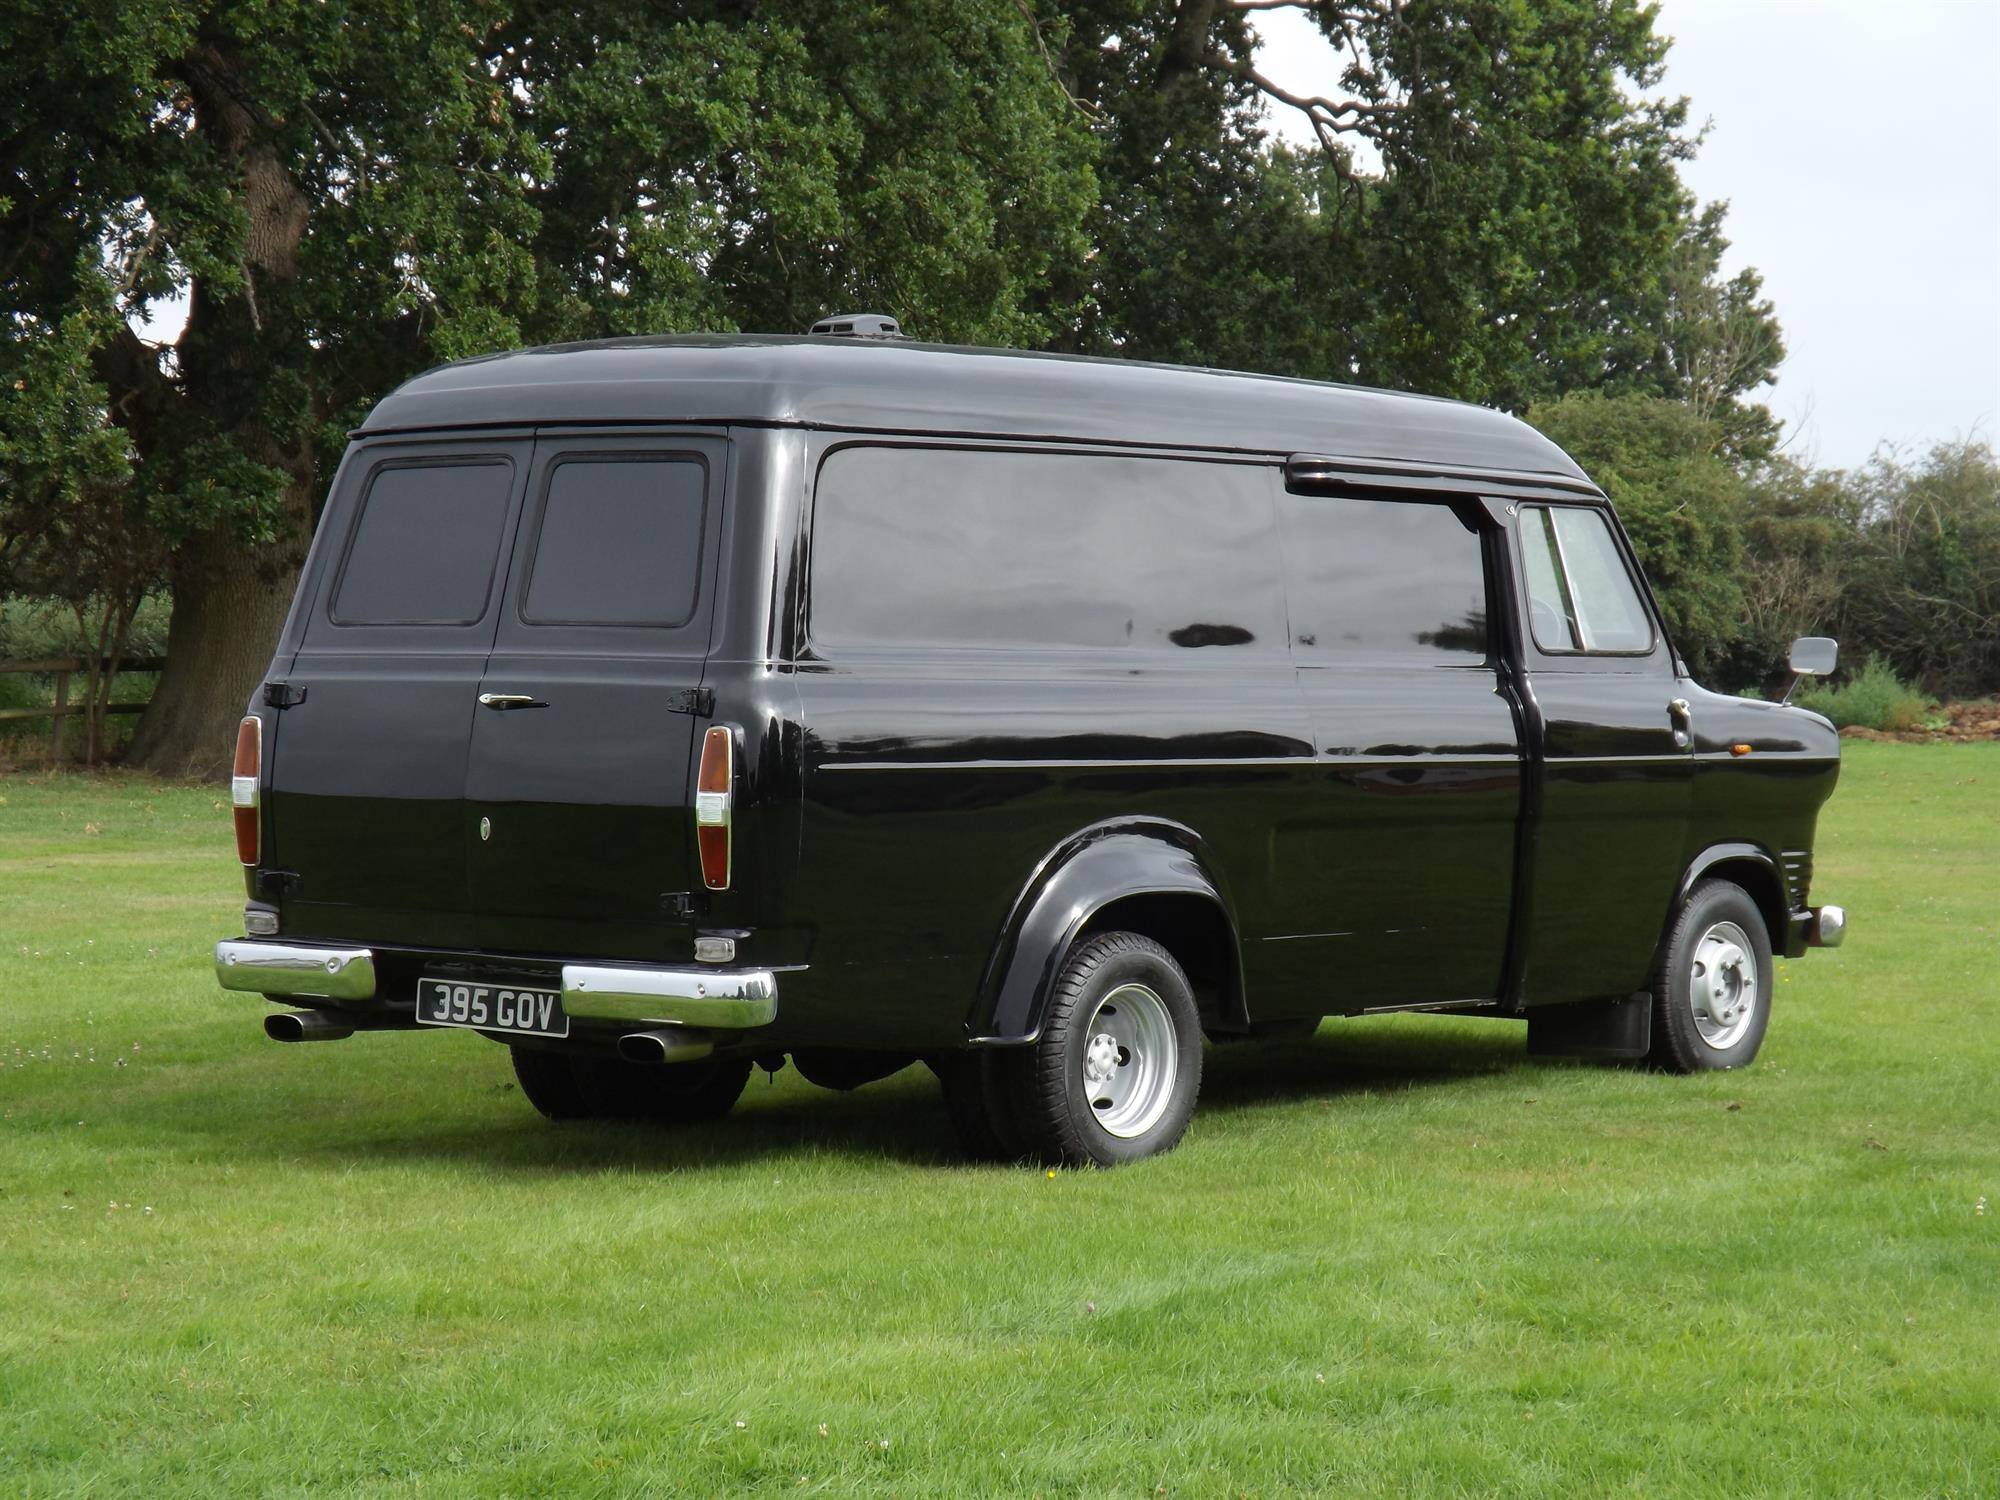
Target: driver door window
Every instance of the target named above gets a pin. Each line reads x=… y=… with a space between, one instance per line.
x=1582 y=601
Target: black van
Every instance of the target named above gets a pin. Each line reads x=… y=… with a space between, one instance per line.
x=663 y=707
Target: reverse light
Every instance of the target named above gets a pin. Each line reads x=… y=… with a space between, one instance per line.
x=714 y=796
x=244 y=779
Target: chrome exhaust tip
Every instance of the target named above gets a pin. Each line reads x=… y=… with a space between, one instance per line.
x=667 y=1045
x=307 y=1026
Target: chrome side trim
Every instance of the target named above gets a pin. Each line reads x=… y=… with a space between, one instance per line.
x=671 y=997
x=291 y=969
x=1829 y=927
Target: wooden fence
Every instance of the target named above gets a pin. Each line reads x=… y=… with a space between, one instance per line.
x=62 y=669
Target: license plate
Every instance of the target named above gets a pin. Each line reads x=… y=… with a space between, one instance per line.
x=491 y=1007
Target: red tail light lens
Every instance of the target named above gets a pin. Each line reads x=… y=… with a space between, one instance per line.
x=714 y=796
x=244 y=780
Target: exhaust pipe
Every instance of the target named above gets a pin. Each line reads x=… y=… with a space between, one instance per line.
x=307 y=1026
x=669 y=1045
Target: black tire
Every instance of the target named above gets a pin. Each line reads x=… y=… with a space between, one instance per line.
x=568 y=1087
x=1042 y=1089
x=693 y=1093
x=548 y=1084
x=1702 y=1019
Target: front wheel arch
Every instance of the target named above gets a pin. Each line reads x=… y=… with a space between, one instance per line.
x=1749 y=867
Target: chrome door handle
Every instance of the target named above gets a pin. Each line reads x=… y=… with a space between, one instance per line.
x=510 y=700
x=1683 y=722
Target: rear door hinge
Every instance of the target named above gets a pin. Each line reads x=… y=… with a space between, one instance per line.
x=283 y=695
x=697 y=701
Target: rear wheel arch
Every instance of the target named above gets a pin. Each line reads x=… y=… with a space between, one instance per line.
x=1152 y=877
x=1195 y=929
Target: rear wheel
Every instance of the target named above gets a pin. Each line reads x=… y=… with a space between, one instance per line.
x=547 y=1083
x=568 y=1087
x=1114 y=1075
x=1712 y=989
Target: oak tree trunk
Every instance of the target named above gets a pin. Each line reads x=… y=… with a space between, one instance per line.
x=230 y=597
x=229 y=605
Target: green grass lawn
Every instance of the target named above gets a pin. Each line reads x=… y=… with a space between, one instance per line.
x=1401 y=1259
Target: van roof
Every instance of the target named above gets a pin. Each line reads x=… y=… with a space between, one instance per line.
x=881 y=386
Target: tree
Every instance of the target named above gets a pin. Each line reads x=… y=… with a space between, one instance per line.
x=1720 y=339
x=1924 y=589
x=1801 y=529
x=1493 y=212
x=346 y=194
x=72 y=525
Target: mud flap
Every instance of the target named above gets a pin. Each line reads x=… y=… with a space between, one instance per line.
x=1620 y=1028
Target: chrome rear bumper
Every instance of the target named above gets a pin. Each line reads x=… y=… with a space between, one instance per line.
x=265 y=968
x=671 y=997
x=652 y=996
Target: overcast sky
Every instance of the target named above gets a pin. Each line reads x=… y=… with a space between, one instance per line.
x=1858 y=146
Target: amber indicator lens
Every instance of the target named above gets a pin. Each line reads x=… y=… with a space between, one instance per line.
x=243 y=782
x=714 y=792
x=1739 y=749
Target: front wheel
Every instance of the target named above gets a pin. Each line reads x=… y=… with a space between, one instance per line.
x=1712 y=988
x=1114 y=1075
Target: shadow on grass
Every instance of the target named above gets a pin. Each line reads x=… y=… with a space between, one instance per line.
x=901 y=1119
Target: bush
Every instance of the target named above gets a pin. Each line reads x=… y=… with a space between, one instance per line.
x=1874 y=698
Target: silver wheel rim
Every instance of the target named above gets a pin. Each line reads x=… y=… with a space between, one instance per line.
x=1722 y=985
x=1130 y=1060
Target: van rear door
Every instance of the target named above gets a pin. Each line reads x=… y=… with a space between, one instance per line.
x=578 y=787
x=367 y=787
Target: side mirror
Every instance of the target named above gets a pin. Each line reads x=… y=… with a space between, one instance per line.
x=1812 y=656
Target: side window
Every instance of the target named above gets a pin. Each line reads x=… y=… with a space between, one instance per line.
x=976 y=548
x=618 y=543
x=1402 y=580
x=424 y=548
x=1581 y=598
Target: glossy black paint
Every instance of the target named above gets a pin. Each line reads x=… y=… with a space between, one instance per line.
x=848 y=385
x=576 y=813
x=1407 y=838
x=365 y=779
x=921 y=830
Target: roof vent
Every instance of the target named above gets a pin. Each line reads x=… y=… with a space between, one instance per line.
x=859 y=326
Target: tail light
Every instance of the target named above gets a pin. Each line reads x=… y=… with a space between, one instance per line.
x=244 y=778
x=714 y=795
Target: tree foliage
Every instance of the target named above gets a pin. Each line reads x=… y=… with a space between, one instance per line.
x=73 y=529
x=344 y=194
x=1922 y=587
x=1494 y=211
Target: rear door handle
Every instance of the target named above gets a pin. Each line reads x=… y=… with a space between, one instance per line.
x=510 y=700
